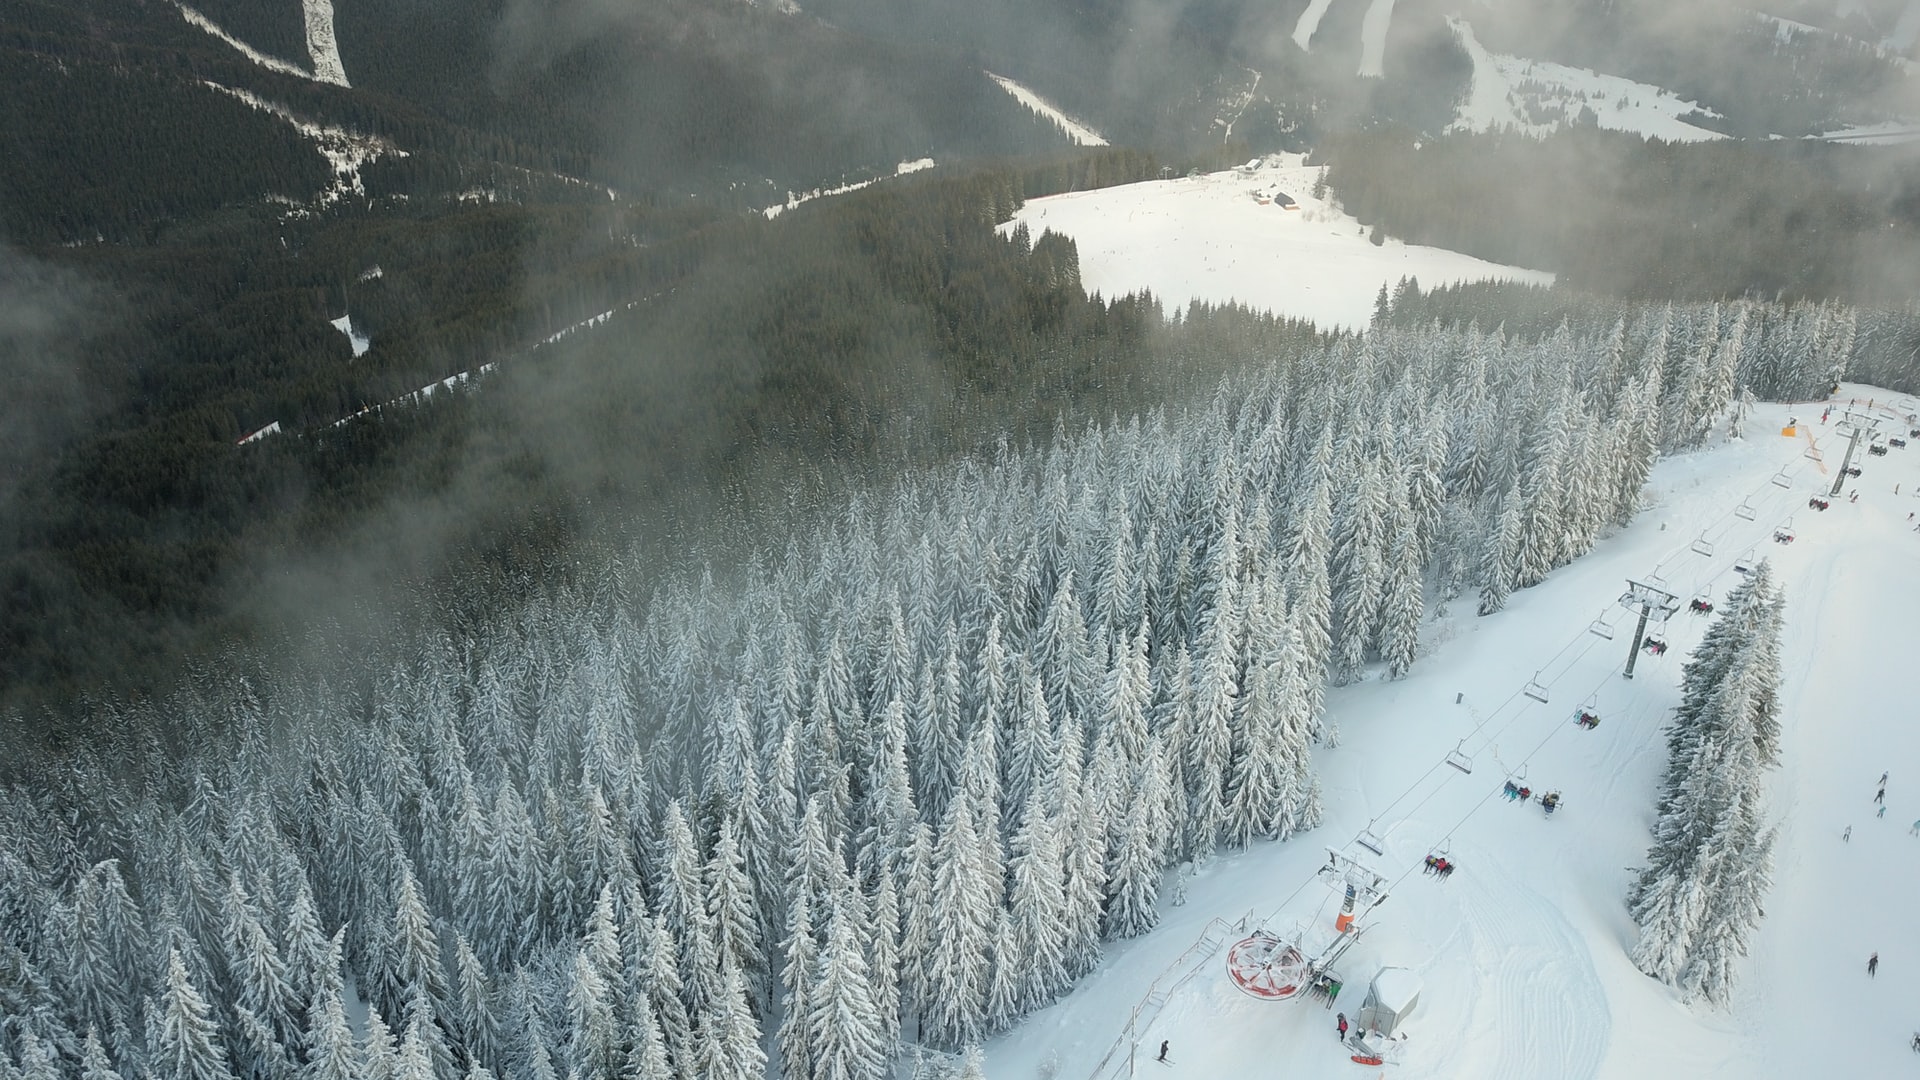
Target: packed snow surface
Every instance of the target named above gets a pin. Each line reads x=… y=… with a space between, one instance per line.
x=1538 y=97
x=360 y=342
x=1523 y=950
x=270 y=429
x=1208 y=239
x=1079 y=133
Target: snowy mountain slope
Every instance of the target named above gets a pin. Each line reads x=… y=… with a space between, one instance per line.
x=1538 y=97
x=795 y=198
x=271 y=63
x=1077 y=133
x=1210 y=240
x=1523 y=950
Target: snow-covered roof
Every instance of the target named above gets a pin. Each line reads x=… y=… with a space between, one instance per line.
x=1397 y=989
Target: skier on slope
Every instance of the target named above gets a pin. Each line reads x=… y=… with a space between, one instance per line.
x=1163 y=1051
x=1342 y=1026
x=1881 y=795
x=1847 y=833
x=1873 y=964
x=1915 y=831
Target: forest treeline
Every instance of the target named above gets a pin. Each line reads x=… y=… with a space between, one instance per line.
x=887 y=783
x=1613 y=213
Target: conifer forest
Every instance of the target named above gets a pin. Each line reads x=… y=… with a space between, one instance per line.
x=877 y=794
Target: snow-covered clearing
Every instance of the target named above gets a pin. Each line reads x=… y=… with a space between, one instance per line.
x=1523 y=951
x=358 y=340
x=321 y=47
x=345 y=150
x=1538 y=97
x=1309 y=21
x=1078 y=133
x=795 y=198
x=1373 y=38
x=1208 y=239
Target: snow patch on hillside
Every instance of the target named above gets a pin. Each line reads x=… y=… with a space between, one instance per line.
x=795 y=198
x=358 y=340
x=1210 y=239
x=1537 y=97
x=1309 y=21
x=1077 y=132
x=321 y=46
x=271 y=63
x=345 y=150
x=1373 y=39
x=1524 y=950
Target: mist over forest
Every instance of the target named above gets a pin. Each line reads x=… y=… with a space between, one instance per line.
x=559 y=537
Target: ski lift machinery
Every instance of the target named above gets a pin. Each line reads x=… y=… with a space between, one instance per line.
x=1277 y=967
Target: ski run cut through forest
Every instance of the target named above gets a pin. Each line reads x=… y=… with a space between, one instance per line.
x=987 y=771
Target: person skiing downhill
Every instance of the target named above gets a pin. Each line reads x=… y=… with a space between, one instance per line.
x=1163 y=1051
x=1342 y=1026
x=1915 y=831
x=1873 y=964
x=1880 y=796
x=1847 y=833
x=1883 y=780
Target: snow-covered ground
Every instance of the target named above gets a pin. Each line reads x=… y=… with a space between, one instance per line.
x=1208 y=239
x=1077 y=132
x=345 y=150
x=321 y=46
x=1309 y=21
x=1523 y=951
x=1373 y=38
x=271 y=63
x=1507 y=89
x=795 y=198
x=358 y=340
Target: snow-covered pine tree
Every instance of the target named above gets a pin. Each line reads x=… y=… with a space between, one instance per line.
x=187 y=1044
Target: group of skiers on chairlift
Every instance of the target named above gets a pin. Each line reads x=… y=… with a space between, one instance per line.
x=1439 y=865
x=1588 y=719
x=1701 y=606
x=1818 y=503
x=1782 y=536
x=1517 y=793
x=1654 y=645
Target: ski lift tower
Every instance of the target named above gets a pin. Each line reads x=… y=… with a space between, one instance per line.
x=1860 y=423
x=1278 y=967
x=1651 y=601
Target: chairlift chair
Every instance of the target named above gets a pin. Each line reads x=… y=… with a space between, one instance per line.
x=1813 y=453
x=1897 y=443
x=1588 y=715
x=1853 y=471
x=1654 y=645
x=1818 y=503
x=1535 y=689
x=1457 y=757
x=1781 y=479
x=1878 y=449
x=1783 y=532
x=1703 y=546
x=1371 y=840
x=1745 y=511
x=1702 y=602
x=1599 y=627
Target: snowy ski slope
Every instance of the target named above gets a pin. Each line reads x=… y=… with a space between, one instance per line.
x=1208 y=239
x=1077 y=133
x=1504 y=88
x=1523 y=951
